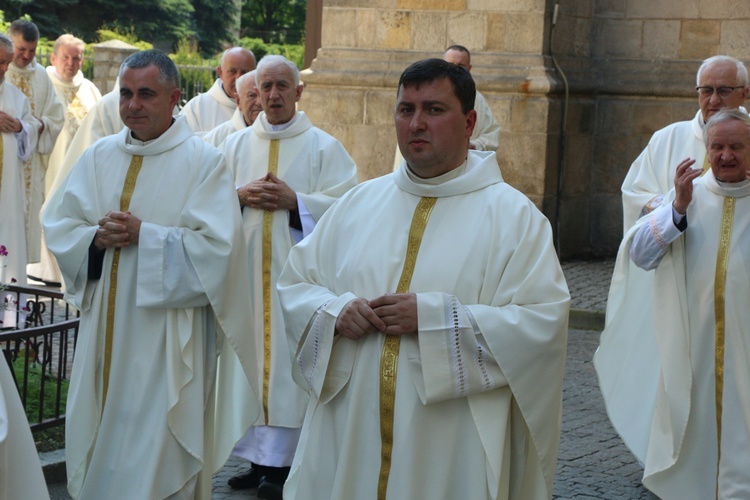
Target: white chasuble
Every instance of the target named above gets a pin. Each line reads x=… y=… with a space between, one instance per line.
x=217 y=136
x=208 y=110
x=77 y=97
x=630 y=300
x=179 y=294
x=103 y=119
x=16 y=148
x=691 y=446
x=317 y=167
x=478 y=390
x=38 y=89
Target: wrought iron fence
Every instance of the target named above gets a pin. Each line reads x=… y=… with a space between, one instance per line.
x=38 y=344
x=195 y=80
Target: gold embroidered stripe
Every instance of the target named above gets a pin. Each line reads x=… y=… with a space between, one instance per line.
x=273 y=166
x=706 y=165
x=720 y=284
x=127 y=193
x=389 y=355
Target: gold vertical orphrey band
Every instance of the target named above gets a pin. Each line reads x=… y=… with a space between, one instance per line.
x=273 y=166
x=127 y=193
x=389 y=355
x=720 y=284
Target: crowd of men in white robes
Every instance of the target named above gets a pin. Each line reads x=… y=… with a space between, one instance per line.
x=326 y=331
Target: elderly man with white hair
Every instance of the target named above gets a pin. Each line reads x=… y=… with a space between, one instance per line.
x=248 y=109
x=721 y=82
x=289 y=173
x=696 y=243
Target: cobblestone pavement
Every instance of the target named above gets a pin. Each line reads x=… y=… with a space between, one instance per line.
x=592 y=462
x=588 y=282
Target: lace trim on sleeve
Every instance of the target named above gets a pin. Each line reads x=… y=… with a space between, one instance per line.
x=307 y=359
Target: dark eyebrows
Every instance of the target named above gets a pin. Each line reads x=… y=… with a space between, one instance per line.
x=141 y=90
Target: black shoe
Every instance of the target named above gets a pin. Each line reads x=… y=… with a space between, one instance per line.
x=270 y=489
x=272 y=483
x=245 y=480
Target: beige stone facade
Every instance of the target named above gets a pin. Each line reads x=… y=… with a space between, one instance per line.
x=108 y=56
x=630 y=65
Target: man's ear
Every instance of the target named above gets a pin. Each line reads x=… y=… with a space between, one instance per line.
x=471 y=122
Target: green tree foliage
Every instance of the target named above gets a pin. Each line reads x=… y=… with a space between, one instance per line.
x=215 y=22
x=293 y=52
x=275 y=21
x=157 y=21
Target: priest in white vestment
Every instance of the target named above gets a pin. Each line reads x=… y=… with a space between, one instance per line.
x=248 y=109
x=102 y=120
x=698 y=242
x=149 y=240
x=722 y=82
x=31 y=78
x=21 y=475
x=283 y=196
x=210 y=109
x=429 y=315
x=18 y=135
x=77 y=95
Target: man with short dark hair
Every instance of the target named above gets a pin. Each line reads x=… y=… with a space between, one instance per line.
x=148 y=237
x=31 y=78
x=428 y=316
x=486 y=135
x=210 y=109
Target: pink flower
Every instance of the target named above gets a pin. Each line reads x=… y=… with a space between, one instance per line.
x=13 y=280
x=3 y=250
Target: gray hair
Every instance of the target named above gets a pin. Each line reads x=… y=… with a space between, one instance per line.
x=272 y=60
x=168 y=73
x=243 y=78
x=741 y=69
x=6 y=43
x=725 y=115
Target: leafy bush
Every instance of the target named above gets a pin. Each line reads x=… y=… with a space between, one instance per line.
x=127 y=35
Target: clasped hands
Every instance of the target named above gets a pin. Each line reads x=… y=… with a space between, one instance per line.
x=268 y=193
x=390 y=314
x=117 y=230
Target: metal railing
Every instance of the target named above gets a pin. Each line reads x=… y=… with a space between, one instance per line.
x=41 y=341
x=195 y=80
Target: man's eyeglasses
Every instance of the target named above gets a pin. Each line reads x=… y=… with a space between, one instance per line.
x=722 y=91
